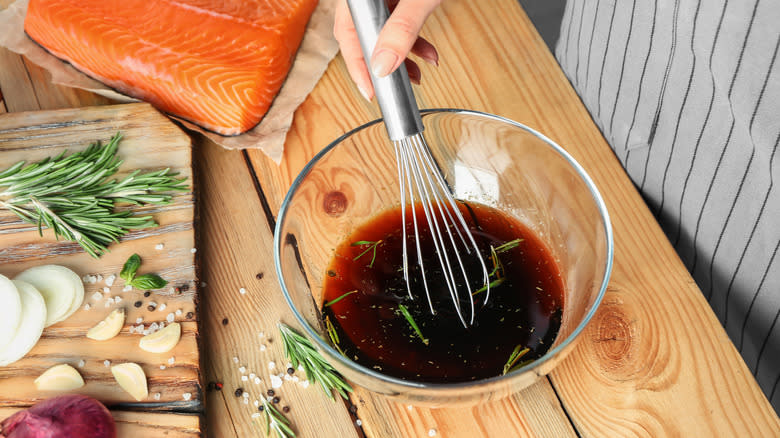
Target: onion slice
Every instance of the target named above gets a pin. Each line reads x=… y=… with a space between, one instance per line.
x=10 y=311
x=30 y=329
x=62 y=290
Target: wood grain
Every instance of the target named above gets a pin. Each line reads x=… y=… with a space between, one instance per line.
x=146 y=424
x=240 y=329
x=150 y=141
x=655 y=361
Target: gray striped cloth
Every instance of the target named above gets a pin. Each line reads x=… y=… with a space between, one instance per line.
x=687 y=93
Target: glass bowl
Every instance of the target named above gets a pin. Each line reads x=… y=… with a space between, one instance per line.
x=484 y=158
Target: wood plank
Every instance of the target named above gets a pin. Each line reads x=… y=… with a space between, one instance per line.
x=146 y=424
x=150 y=141
x=15 y=82
x=629 y=376
x=238 y=246
x=52 y=96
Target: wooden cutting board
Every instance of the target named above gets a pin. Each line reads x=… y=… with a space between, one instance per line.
x=150 y=142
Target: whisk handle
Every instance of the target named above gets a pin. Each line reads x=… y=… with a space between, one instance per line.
x=394 y=91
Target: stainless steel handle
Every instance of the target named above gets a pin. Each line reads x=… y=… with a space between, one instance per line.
x=394 y=91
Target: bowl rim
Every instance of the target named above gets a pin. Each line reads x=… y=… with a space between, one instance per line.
x=356 y=367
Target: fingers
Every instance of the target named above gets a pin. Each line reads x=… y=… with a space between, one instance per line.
x=399 y=35
x=426 y=51
x=413 y=70
x=344 y=31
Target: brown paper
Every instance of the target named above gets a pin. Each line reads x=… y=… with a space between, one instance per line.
x=315 y=53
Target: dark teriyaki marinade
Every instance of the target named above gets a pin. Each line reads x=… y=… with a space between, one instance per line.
x=369 y=312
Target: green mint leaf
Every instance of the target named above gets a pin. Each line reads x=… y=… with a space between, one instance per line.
x=130 y=268
x=148 y=281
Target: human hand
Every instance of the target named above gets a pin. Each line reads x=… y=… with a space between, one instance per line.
x=398 y=37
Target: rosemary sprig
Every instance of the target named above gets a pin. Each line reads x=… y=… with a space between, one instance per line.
x=504 y=247
x=333 y=334
x=300 y=350
x=276 y=421
x=409 y=319
x=517 y=353
x=74 y=196
x=498 y=267
x=336 y=300
x=372 y=246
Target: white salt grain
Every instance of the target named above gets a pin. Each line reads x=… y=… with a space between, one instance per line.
x=295 y=379
x=252 y=375
x=257 y=380
x=194 y=250
x=110 y=280
x=139 y=320
x=97 y=296
x=127 y=288
x=99 y=278
x=178 y=312
x=157 y=396
x=107 y=363
x=159 y=246
x=409 y=407
x=81 y=363
x=305 y=383
x=432 y=432
x=271 y=365
x=131 y=329
x=244 y=378
x=242 y=291
x=235 y=359
x=262 y=347
x=276 y=382
x=300 y=367
x=358 y=423
x=162 y=367
x=242 y=370
x=246 y=401
x=261 y=334
x=117 y=299
x=171 y=360
x=162 y=307
x=87 y=306
x=170 y=318
x=106 y=290
x=186 y=396
x=110 y=301
x=256 y=414
x=256 y=403
x=154 y=327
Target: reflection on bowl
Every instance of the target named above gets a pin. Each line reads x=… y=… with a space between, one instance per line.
x=485 y=159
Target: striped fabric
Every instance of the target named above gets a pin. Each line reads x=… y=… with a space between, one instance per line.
x=687 y=93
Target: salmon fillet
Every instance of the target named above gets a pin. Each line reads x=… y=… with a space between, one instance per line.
x=216 y=63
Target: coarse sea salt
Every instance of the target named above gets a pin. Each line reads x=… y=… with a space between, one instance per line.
x=242 y=370
x=171 y=360
x=81 y=363
x=127 y=288
x=262 y=347
x=242 y=291
x=97 y=296
x=244 y=378
x=162 y=307
x=276 y=382
x=139 y=320
x=107 y=363
x=110 y=280
x=194 y=250
x=186 y=396
x=159 y=246
x=87 y=306
x=157 y=396
x=170 y=318
x=106 y=289
x=257 y=380
x=117 y=299
x=271 y=365
x=162 y=367
x=178 y=312
x=432 y=432
x=235 y=359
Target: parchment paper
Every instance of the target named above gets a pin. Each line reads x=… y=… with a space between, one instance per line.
x=315 y=53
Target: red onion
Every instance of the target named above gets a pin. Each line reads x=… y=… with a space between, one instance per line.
x=66 y=416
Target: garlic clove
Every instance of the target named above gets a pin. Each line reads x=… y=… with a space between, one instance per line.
x=61 y=377
x=131 y=377
x=163 y=340
x=109 y=327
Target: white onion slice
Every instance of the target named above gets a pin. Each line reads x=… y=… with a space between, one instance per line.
x=61 y=288
x=10 y=311
x=30 y=329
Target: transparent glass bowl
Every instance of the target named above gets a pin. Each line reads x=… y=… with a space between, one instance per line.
x=484 y=158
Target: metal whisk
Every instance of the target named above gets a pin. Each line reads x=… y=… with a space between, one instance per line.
x=421 y=182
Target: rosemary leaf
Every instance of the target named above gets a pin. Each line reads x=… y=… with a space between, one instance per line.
x=276 y=421
x=301 y=351
x=372 y=246
x=409 y=318
x=336 y=300
x=517 y=353
x=504 y=247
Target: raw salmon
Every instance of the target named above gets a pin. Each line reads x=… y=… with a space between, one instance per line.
x=216 y=63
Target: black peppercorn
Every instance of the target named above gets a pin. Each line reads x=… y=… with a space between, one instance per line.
x=190 y=315
x=224 y=321
x=147 y=293
x=286 y=409
x=271 y=393
x=210 y=386
x=275 y=400
x=239 y=391
x=291 y=371
x=259 y=276
x=138 y=304
x=261 y=408
x=150 y=308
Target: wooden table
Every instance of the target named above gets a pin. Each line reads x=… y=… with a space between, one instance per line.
x=653 y=362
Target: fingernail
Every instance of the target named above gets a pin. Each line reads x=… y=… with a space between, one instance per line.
x=432 y=61
x=364 y=92
x=383 y=62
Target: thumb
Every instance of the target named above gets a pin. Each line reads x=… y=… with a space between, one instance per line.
x=399 y=34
